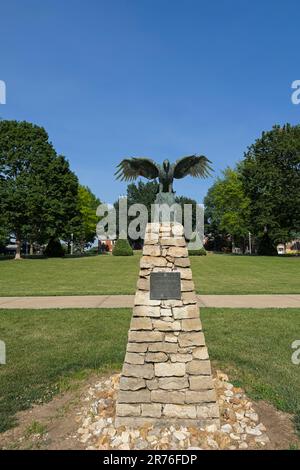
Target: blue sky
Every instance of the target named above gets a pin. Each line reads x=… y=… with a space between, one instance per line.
x=158 y=78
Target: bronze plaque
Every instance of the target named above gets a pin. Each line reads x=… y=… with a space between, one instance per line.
x=165 y=285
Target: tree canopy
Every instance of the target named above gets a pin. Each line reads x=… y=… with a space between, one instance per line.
x=40 y=197
x=262 y=195
x=227 y=206
x=271 y=178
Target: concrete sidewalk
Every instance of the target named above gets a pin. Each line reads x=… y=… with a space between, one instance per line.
x=118 y=301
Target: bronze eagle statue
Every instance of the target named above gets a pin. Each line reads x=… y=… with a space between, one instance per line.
x=131 y=168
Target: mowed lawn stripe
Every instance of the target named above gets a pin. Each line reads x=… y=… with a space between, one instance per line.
x=48 y=349
x=213 y=274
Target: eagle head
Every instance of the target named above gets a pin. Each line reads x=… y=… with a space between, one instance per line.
x=166 y=165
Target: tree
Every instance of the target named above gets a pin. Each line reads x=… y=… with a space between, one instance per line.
x=227 y=206
x=270 y=173
x=87 y=206
x=37 y=188
x=142 y=193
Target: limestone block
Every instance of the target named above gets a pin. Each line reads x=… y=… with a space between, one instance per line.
x=201 y=382
x=180 y=411
x=146 y=311
x=200 y=353
x=169 y=338
x=150 y=261
x=170 y=303
x=196 y=367
x=186 y=312
x=144 y=273
x=178 y=252
x=189 y=298
x=182 y=262
x=151 y=239
x=177 y=230
x=145 y=336
x=163 y=347
x=208 y=411
x=156 y=357
x=139 y=396
x=153 y=410
x=185 y=273
x=140 y=323
x=152 y=384
x=200 y=396
x=143 y=284
x=123 y=409
x=180 y=242
x=167 y=396
x=166 y=312
x=164 y=369
x=188 y=350
x=134 y=358
x=192 y=324
x=187 y=286
x=137 y=347
x=161 y=270
x=151 y=250
x=173 y=383
x=191 y=339
x=143 y=298
x=181 y=357
x=145 y=371
x=162 y=325
x=130 y=383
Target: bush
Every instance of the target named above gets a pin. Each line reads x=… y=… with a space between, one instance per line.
x=54 y=249
x=6 y=257
x=122 y=248
x=200 y=252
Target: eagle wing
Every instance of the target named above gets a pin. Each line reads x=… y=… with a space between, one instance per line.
x=193 y=165
x=130 y=168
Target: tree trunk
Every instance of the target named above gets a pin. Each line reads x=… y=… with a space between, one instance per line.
x=18 y=248
x=31 y=249
x=232 y=245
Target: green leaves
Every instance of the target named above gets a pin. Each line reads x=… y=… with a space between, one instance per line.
x=227 y=206
x=38 y=191
x=271 y=178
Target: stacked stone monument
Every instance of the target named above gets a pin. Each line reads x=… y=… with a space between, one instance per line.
x=166 y=376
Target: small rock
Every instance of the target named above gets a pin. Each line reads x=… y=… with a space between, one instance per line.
x=252 y=416
x=243 y=445
x=125 y=437
x=180 y=436
x=262 y=439
x=253 y=431
x=226 y=428
x=212 y=443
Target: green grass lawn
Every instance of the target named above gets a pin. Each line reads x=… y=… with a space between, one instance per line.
x=213 y=274
x=47 y=349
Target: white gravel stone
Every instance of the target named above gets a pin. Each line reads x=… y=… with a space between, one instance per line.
x=97 y=430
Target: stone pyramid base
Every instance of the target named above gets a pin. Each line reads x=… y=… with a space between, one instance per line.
x=166 y=376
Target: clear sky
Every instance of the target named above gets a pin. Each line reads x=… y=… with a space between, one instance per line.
x=156 y=78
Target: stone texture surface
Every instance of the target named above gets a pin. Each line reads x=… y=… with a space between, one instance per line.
x=166 y=374
x=164 y=426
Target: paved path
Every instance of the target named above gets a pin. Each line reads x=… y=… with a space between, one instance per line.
x=115 y=301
